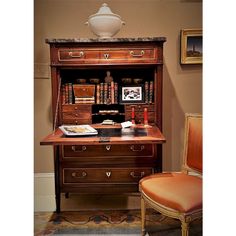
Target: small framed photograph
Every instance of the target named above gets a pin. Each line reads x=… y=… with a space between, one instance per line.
x=191 y=46
x=132 y=94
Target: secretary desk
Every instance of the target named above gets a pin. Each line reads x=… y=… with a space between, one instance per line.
x=116 y=158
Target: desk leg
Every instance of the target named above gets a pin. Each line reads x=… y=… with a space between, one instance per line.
x=57 y=178
x=159 y=158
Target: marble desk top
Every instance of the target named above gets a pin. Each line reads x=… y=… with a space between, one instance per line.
x=96 y=40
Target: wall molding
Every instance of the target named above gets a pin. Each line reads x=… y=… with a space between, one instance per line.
x=41 y=71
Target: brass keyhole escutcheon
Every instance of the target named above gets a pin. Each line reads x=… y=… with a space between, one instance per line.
x=106 y=55
x=108 y=174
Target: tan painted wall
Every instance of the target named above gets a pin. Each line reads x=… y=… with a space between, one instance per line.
x=182 y=84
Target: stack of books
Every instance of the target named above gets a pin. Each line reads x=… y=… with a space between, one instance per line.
x=107 y=93
x=67 y=93
x=148 y=92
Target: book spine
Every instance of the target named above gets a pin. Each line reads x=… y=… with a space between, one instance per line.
x=108 y=93
x=66 y=93
x=105 y=93
x=151 y=92
x=85 y=99
x=146 y=91
x=98 y=94
x=63 y=94
x=112 y=93
x=101 y=93
x=115 y=93
x=70 y=93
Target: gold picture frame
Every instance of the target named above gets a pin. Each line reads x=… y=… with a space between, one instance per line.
x=191 y=46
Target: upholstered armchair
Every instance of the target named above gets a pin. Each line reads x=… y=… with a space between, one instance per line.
x=178 y=195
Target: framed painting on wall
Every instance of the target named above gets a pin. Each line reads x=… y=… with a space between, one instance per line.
x=191 y=46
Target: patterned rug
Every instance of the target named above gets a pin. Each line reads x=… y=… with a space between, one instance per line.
x=109 y=222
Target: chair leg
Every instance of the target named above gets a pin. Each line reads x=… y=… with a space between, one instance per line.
x=143 y=215
x=185 y=228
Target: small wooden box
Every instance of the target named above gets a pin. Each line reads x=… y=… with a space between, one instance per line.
x=84 y=90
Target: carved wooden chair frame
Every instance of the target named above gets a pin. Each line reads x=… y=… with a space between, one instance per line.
x=185 y=218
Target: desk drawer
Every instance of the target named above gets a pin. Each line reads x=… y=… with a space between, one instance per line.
x=104 y=175
x=76 y=114
x=139 y=107
x=107 y=55
x=107 y=150
x=81 y=55
x=78 y=108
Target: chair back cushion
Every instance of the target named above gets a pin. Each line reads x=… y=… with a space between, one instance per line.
x=193 y=142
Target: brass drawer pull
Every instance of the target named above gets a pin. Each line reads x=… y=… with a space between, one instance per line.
x=83 y=148
x=108 y=147
x=81 y=54
x=137 y=55
x=137 y=176
x=108 y=174
x=106 y=55
x=75 y=175
x=137 y=150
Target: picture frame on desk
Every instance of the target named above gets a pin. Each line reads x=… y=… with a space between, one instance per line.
x=131 y=94
x=191 y=46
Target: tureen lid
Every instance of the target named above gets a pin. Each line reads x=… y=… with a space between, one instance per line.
x=104 y=10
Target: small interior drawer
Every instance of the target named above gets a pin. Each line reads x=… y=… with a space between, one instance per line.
x=77 y=108
x=139 y=107
x=75 y=115
x=75 y=121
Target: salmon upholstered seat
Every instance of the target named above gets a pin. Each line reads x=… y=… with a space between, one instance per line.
x=178 y=191
x=178 y=195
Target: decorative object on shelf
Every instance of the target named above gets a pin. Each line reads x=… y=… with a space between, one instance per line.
x=108 y=78
x=131 y=94
x=94 y=80
x=138 y=80
x=84 y=94
x=80 y=81
x=105 y=24
x=145 y=116
x=126 y=80
x=108 y=122
x=191 y=46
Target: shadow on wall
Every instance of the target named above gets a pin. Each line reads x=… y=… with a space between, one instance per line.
x=173 y=124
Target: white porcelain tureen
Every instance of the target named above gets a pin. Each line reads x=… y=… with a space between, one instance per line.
x=105 y=24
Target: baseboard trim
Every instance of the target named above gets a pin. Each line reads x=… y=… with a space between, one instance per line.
x=44 y=192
